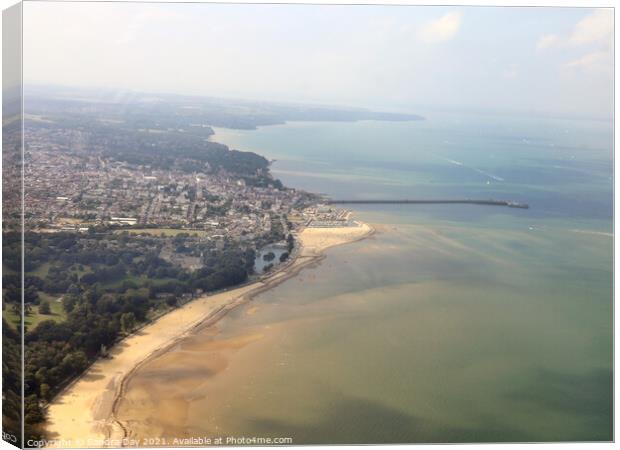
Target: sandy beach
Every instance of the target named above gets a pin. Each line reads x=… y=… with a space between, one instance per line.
x=84 y=414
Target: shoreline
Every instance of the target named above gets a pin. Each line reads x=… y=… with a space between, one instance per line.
x=84 y=413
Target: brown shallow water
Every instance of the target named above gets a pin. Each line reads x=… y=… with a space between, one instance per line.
x=418 y=334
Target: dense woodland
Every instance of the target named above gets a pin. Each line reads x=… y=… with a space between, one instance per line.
x=11 y=384
x=161 y=148
x=166 y=150
x=83 y=292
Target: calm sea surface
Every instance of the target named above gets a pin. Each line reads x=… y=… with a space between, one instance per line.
x=452 y=324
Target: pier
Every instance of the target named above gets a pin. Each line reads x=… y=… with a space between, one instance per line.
x=510 y=204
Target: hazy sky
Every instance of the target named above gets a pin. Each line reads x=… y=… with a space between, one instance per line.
x=557 y=60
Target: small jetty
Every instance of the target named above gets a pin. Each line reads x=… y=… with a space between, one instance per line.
x=510 y=204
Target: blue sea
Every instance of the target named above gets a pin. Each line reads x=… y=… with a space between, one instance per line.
x=453 y=323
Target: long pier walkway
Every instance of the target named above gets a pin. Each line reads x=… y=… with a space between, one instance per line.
x=508 y=203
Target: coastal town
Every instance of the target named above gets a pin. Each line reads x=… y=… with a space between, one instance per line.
x=105 y=192
x=126 y=224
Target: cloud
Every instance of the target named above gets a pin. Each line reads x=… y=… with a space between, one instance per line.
x=593 y=34
x=442 y=29
x=547 y=41
x=589 y=61
x=594 y=29
x=345 y=55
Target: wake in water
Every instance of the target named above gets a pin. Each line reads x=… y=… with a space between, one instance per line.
x=595 y=233
x=480 y=171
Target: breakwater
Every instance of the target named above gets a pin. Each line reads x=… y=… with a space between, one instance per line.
x=510 y=204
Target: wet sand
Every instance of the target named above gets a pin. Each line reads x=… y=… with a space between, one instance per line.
x=83 y=415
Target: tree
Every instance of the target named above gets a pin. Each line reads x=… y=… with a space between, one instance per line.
x=45 y=391
x=31 y=295
x=41 y=375
x=69 y=301
x=128 y=321
x=33 y=410
x=74 y=363
x=44 y=308
x=73 y=289
x=290 y=240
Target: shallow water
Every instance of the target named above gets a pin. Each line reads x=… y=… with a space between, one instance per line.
x=457 y=323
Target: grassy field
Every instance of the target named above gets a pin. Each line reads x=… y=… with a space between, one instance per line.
x=40 y=271
x=58 y=314
x=117 y=283
x=44 y=269
x=165 y=231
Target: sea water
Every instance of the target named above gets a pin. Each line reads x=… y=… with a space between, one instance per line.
x=453 y=323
